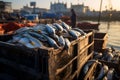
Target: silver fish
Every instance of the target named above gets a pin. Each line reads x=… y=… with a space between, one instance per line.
x=25 y=41
x=80 y=31
x=115 y=59
x=73 y=34
x=59 y=27
x=65 y=26
x=102 y=73
x=15 y=38
x=50 y=29
x=97 y=55
x=67 y=44
x=105 y=78
x=23 y=29
x=110 y=56
x=55 y=37
x=38 y=36
x=65 y=31
x=110 y=74
x=51 y=42
x=87 y=65
x=40 y=27
x=35 y=42
x=61 y=41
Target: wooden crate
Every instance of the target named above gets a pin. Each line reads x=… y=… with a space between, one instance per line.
x=100 y=41
x=85 y=46
x=47 y=63
x=42 y=63
x=84 y=52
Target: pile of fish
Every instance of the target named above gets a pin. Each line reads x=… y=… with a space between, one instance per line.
x=54 y=35
x=103 y=71
x=108 y=55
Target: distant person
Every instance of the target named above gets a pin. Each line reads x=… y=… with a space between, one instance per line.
x=73 y=18
x=18 y=16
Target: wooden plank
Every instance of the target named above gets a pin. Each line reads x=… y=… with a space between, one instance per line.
x=58 y=71
x=84 y=61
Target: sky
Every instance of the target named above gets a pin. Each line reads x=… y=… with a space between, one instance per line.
x=93 y=4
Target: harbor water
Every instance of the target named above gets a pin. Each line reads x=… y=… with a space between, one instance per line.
x=113 y=30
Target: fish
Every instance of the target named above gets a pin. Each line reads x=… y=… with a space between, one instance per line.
x=54 y=36
x=109 y=57
x=65 y=31
x=65 y=26
x=15 y=38
x=67 y=46
x=102 y=73
x=110 y=74
x=40 y=27
x=87 y=65
x=35 y=42
x=61 y=41
x=67 y=43
x=73 y=34
x=26 y=42
x=80 y=31
x=105 y=78
x=23 y=29
x=38 y=36
x=50 y=29
x=51 y=42
x=115 y=59
x=97 y=55
x=59 y=27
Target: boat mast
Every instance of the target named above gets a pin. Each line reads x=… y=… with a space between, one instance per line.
x=109 y=14
x=100 y=12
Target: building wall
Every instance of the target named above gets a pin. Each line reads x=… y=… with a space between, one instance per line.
x=58 y=7
x=5 y=7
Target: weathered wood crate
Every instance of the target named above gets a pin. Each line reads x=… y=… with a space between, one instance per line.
x=85 y=48
x=38 y=61
x=100 y=41
x=47 y=63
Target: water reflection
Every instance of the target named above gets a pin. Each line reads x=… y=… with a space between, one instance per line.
x=113 y=30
